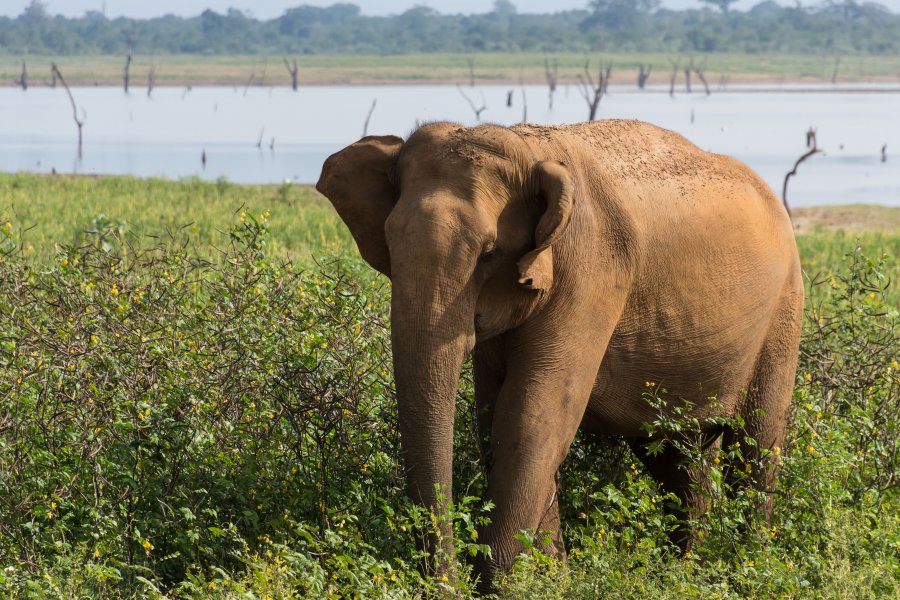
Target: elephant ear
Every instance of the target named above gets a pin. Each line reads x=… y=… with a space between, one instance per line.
x=557 y=189
x=357 y=182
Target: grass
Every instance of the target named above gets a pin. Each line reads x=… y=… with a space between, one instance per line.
x=191 y=416
x=435 y=68
x=51 y=211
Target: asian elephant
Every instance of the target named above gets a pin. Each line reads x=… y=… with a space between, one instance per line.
x=576 y=263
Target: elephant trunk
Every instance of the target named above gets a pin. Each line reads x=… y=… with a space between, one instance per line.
x=432 y=332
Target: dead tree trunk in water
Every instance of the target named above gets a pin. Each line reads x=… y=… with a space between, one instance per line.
x=687 y=75
x=813 y=149
x=675 y=65
x=837 y=66
x=262 y=78
x=52 y=77
x=23 y=78
x=643 y=75
x=126 y=73
x=369 y=117
x=700 y=71
x=471 y=62
x=78 y=122
x=552 y=76
x=592 y=91
x=475 y=109
x=524 y=104
x=151 y=80
x=293 y=70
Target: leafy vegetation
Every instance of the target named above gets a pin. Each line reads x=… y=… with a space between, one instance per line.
x=205 y=410
x=835 y=28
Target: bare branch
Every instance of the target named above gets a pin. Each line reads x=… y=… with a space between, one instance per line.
x=813 y=149
x=126 y=72
x=675 y=65
x=524 y=102
x=687 y=75
x=369 y=117
x=643 y=75
x=78 y=122
x=151 y=80
x=293 y=70
x=23 y=78
x=471 y=62
x=592 y=91
x=700 y=71
x=552 y=76
x=475 y=109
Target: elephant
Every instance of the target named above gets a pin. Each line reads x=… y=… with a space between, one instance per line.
x=576 y=264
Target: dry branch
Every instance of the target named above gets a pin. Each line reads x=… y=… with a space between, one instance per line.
x=552 y=76
x=475 y=109
x=293 y=70
x=369 y=117
x=813 y=149
x=675 y=64
x=78 y=122
x=687 y=75
x=592 y=90
x=126 y=72
x=643 y=75
x=700 y=70
x=151 y=80
x=23 y=78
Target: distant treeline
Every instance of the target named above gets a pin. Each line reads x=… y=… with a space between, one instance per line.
x=833 y=27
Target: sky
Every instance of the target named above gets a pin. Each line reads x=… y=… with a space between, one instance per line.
x=268 y=9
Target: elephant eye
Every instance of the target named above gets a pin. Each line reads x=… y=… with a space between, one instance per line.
x=490 y=249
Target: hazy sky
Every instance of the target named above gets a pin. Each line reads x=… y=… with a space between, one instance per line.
x=267 y=9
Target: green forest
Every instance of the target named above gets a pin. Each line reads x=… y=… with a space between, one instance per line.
x=834 y=27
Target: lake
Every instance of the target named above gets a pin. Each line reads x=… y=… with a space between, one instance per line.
x=165 y=135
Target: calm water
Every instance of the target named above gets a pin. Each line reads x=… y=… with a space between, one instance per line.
x=166 y=134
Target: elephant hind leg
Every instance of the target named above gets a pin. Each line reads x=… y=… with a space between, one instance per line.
x=766 y=406
x=689 y=483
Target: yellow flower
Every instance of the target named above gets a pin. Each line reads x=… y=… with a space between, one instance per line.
x=895 y=365
x=8 y=225
x=811 y=449
x=147 y=545
x=750 y=563
x=444 y=579
x=114 y=291
x=808 y=376
x=53 y=505
x=716 y=460
x=649 y=383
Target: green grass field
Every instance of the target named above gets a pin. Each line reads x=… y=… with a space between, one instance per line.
x=196 y=401
x=433 y=68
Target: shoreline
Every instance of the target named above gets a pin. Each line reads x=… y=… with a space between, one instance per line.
x=509 y=69
x=807 y=220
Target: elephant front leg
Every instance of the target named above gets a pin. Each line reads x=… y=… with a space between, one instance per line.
x=535 y=420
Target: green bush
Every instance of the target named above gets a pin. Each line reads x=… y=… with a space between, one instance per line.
x=180 y=424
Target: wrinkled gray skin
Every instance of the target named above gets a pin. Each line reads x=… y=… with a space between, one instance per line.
x=577 y=263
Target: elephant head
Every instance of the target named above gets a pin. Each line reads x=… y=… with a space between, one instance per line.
x=464 y=222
